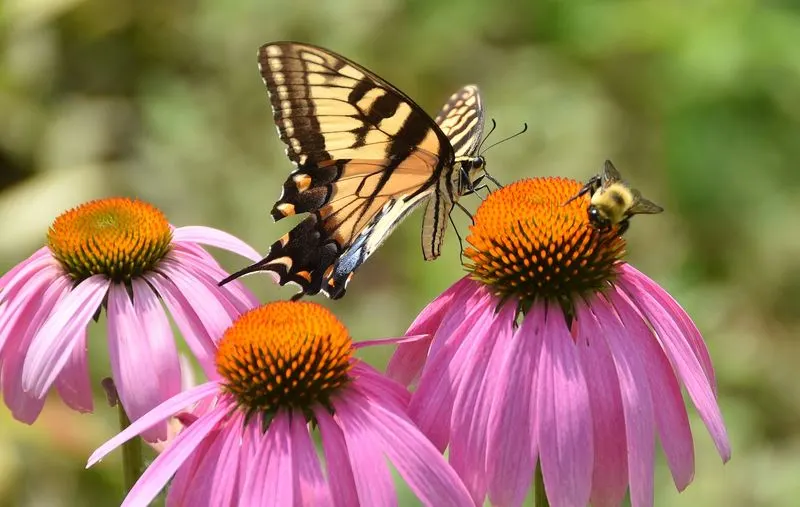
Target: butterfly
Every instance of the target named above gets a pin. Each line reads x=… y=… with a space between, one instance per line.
x=365 y=156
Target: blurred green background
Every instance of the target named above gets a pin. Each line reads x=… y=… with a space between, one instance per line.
x=697 y=103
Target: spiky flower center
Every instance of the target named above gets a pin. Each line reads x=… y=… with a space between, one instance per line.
x=285 y=354
x=117 y=237
x=526 y=243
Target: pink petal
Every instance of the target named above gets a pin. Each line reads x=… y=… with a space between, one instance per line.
x=235 y=292
x=431 y=405
x=160 y=413
x=378 y=387
x=482 y=354
x=192 y=326
x=186 y=481
x=19 y=275
x=678 y=314
x=372 y=478
x=310 y=488
x=408 y=360
x=419 y=463
x=512 y=449
x=216 y=477
x=216 y=238
x=24 y=406
x=340 y=474
x=156 y=476
x=206 y=295
x=610 y=476
x=52 y=346
x=130 y=352
x=565 y=418
x=400 y=340
x=74 y=383
x=637 y=402
x=271 y=480
x=33 y=301
x=464 y=301
x=672 y=421
x=685 y=362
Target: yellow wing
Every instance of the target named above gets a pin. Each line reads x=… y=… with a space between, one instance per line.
x=365 y=156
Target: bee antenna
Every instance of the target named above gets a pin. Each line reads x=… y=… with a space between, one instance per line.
x=494 y=126
x=524 y=129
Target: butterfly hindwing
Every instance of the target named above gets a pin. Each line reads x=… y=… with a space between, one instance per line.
x=461 y=119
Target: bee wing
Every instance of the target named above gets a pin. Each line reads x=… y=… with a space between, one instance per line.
x=642 y=205
x=610 y=174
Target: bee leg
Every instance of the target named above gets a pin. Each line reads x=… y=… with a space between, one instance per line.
x=622 y=227
x=591 y=186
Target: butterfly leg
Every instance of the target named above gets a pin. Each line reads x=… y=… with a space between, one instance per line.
x=460 y=242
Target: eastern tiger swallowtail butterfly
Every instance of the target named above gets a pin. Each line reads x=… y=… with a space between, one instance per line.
x=366 y=156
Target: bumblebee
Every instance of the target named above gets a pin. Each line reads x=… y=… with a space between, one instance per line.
x=613 y=202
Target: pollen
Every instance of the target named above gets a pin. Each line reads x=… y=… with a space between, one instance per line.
x=286 y=354
x=117 y=237
x=527 y=243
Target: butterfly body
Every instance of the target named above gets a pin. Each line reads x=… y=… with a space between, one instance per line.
x=365 y=157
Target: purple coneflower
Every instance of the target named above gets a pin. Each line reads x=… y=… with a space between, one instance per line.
x=285 y=368
x=553 y=350
x=121 y=255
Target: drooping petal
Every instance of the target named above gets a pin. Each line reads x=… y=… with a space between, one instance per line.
x=156 y=476
x=678 y=314
x=33 y=301
x=74 y=383
x=216 y=477
x=160 y=413
x=187 y=480
x=431 y=405
x=610 y=475
x=211 y=273
x=339 y=472
x=310 y=485
x=464 y=303
x=216 y=238
x=565 y=418
x=371 y=476
x=685 y=362
x=273 y=484
x=19 y=275
x=408 y=360
x=192 y=326
x=512 y=448
x=377 y=386
x=53 y=343
x=672 y=421
x=637 y=401
x=473 y=400
x=24 y=406
x=130 y=352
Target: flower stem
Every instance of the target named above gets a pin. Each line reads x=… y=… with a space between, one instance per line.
x=539 y=495
x=132 y=462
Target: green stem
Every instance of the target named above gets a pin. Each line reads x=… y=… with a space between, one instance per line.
x=132 y=462
x=539 y=495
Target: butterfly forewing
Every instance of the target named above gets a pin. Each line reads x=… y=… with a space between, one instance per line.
x=461 y=120
x=365 y=154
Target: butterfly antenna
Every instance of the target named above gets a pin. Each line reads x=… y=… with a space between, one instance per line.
x=501 y=141
x=494 y=126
